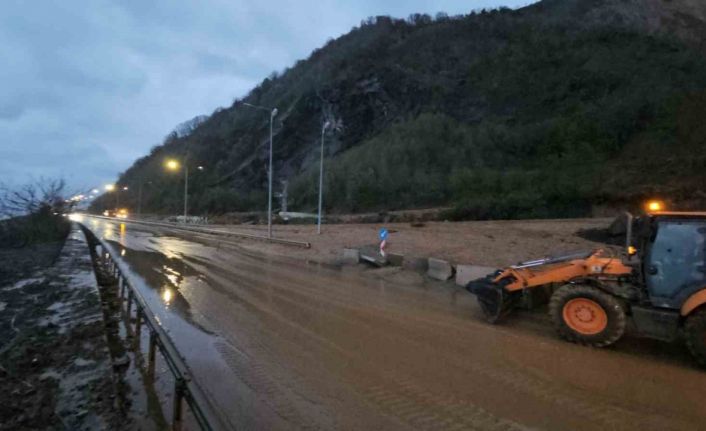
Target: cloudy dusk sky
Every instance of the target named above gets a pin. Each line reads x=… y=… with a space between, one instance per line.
x=88 y=87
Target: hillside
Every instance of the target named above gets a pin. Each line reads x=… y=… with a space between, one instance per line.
x=544 y=111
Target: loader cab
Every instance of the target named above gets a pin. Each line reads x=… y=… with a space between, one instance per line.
x=673 y=256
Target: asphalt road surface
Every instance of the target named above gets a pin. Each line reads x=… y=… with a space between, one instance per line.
x=280 y=344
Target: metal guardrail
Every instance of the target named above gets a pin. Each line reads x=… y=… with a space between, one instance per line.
x=185 y=389
x=207 y=231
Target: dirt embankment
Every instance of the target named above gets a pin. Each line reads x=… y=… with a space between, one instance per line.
x=488 y=243
x=55 y=369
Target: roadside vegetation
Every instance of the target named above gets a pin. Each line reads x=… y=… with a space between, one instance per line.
x=33 y=227
x=498 y=114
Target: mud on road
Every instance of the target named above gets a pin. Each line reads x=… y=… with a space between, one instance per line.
x=281 y=344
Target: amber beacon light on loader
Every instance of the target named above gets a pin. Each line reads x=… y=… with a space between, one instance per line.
x=659 y=283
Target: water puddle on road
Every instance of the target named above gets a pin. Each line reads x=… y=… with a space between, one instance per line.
x=168 y=276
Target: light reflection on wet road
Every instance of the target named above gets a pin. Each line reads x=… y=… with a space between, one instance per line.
x=281 y=345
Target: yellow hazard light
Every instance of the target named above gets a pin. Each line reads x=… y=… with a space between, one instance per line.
x=655 y=206
x=632 y=251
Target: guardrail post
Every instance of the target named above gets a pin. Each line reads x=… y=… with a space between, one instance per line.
x=138 y=328
x=178 y=404
x=129 y=306
x=151 y=355
x=122 y=291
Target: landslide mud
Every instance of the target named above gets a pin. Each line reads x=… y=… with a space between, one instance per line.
x=292 y=346
x=55 y=370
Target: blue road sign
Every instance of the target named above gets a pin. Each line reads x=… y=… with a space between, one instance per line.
x=383 y=234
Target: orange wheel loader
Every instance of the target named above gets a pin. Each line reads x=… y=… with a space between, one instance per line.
x=660 y=285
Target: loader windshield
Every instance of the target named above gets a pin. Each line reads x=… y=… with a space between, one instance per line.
x=677 y=261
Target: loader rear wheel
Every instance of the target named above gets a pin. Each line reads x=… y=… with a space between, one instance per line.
x=587 y=315
x=695 y=334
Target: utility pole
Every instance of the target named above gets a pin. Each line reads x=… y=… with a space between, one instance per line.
x=273 y=114
x=186 y=189
x=139 y=199
x=269 y=177
x=321 y=176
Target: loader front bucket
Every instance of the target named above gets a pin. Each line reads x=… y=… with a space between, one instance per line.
x=493 y=299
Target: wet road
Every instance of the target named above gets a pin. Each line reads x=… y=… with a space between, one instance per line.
x=285 y=345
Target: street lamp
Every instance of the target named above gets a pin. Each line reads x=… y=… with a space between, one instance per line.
x=113 y=188
x=321 y=175
x=273 y=113
x=173 y=165
x=117 y=195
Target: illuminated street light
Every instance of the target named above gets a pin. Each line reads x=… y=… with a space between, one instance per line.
x=116 y=189
x=174 y=165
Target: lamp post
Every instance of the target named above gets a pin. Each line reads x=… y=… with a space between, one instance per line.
x=173 y=165
x=186 y=190
x=321 y=176
x=111 y=188
x=273 y=113
x=117 y=196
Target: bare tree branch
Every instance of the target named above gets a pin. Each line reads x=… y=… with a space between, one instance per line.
x=32 y=197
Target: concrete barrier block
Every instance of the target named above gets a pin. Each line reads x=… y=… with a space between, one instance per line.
x=351 y=256
x=466 y=273
x=439 y=269
x=395 y=259
x=371 y=254
x=415 y=264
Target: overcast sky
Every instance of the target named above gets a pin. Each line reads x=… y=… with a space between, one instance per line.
x=86 y=87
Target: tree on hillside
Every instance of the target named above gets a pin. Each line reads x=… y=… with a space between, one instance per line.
x=547 y=110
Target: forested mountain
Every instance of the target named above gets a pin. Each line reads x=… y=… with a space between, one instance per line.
x=537 y=112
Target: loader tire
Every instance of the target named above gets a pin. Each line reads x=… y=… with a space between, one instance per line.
x=586 y=315
x=695 y=334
